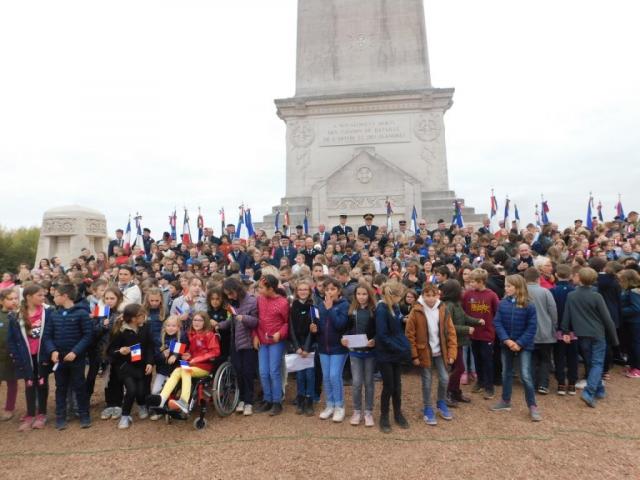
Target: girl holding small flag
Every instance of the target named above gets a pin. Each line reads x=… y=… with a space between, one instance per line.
x=172 y=345
x=196 y=362
x=101 y=324
x=131 y=350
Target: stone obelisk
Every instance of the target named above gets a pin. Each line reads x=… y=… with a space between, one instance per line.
x=365 y=124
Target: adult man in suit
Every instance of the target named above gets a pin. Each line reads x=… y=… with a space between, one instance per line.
x=309 y=252
x=342 y=228
x=368 y=230
x=284 y=250
x=147 y=241
x=486 y=226
x=323 y=235
x=238 y=256
x=231 y=231
x=117 y=242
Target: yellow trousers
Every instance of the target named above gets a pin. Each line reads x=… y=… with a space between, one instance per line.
x=179 y=374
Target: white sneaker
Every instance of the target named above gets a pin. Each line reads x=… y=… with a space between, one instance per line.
x=240 y=408
x=580 y=384
x=155 y=417
x=248 y=410
x=125 y=422
x=355 y=418
x=326 y=413
x=107 y=413
x=368 y=419
x=143 y=413
x=117 y=413
x=338 y=414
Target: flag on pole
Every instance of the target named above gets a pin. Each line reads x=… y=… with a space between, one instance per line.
x=241 y=229
x=173 y=222
x=494 y=205
x=414 y=220
x=457 y=214
x=305 y=222
x=277 y=222
x=186 y=230
x=127 y=236
x=177 y=347
x=200 y=226
x=516 y=216
x=100 y=310
x=545 y=211
x=619 y=209
x=138 y=241
x=222 y=222
x=184 y=365
x=600 y=216
x=537 y=216
x=389 y=216
x=249 y=223
x=507 y=203
x=589 y=213
x=136 y=352
x=286 y=224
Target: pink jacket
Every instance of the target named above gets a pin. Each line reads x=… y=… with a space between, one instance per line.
x=273 y=316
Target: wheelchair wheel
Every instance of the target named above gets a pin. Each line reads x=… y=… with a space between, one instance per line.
x=225 y=391
x=200 y=423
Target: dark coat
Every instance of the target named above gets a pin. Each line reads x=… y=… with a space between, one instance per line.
x=340 y=230
x=19 y=346
x=279 y=253
x=300 y=318
x=370 y=234
x=610 y=290
x=68 y=330
x=127 y=337
x=331 y=326
x=516 y=323
x=392 y=344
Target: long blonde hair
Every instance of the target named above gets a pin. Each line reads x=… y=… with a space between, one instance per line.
x=391 y=290
x=163 y=335
x=522 y=293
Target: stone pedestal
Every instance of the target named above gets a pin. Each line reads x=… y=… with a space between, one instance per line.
x=66 y=230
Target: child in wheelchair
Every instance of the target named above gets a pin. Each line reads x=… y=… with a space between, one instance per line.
x=196 y=362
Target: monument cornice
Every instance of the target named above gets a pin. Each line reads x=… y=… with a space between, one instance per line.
x=398 y=101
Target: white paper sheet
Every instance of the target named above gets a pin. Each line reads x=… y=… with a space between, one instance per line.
x=296 y=363
x=356 y=341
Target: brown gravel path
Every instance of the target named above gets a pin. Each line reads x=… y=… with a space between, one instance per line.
x=573 y=440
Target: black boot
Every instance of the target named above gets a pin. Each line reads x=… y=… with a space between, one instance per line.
x=263 y=407
x=400 y=420
x=385 y=426
x=299 y=405
x=308 y=407
x=276 y=409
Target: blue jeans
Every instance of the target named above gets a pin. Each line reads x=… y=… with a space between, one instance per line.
x=362 y=372
x=270 y=366
x=443 y=380
x=332 y=366
x=593 y=352
x=70 y=376
x=469 y=363
x=306 y=382
x=525 y=375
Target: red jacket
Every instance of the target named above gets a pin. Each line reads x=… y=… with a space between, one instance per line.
x=273 y=316
x=203 y=347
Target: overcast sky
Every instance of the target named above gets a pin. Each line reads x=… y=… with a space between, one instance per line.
x=146 y=105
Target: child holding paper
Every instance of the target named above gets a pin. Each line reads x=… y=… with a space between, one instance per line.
x=301 y=315
x=362 y=321
x=131 y=351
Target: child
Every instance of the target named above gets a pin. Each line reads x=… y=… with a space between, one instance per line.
x=362 y=321
x=587 y=313
x=565 y=355
x=154 y=306
x=203 y=347
x=482 y=303
x=516 y=326
x=114 y=390
x=432 y=337
x=218 y=312
x=25 y=338
x=451 y=293
x=100 y=327
x=333 y=355
x=166 y=360
x=66 y=338
x=301 y=315
x=8 y=305
x=269 y=339
x=630 y=283
x=392 y=348
x=131 y=350
x=547 y=318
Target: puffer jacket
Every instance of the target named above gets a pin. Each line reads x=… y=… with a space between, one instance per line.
x=241 y=331
x=203 y=347
x=516 y=323
x=127 y=337
x=392 y=345
x=331 y=327
x=417 y=332
x=68 y=330
x=630 y=300
x=18 y=346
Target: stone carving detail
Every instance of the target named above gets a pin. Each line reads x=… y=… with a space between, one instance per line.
x=96 y=226
x=58 y=226
x=427 y=127
x=364 y=174
x=364 y=202
x=302 y=134
x=427 y=155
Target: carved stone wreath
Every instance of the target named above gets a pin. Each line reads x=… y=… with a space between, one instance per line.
x=301 y=134
x=427 y=127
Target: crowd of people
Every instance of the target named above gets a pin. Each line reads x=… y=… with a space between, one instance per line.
x=470 y=305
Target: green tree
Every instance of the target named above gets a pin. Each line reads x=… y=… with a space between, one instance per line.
x=18 y=246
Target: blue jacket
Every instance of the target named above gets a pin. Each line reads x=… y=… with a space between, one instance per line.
x=155 y=327
x=332 y=325
x=19 y=346
x=631 y=305
x=516 y=323
x=560 y=292
x=68 y=330
x=392 y=344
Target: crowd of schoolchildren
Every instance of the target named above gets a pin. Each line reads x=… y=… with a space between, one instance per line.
x=468 y=306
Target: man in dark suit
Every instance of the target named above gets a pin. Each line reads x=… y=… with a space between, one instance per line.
x=342 y=228
x=323 y=235
x=284 y=250
x=486 y=226
x=147 y=241
x=238 y=256
x=368 y=230
x=117 y=242
x=309 y=252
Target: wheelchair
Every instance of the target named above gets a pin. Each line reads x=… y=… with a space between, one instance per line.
x=220 y=388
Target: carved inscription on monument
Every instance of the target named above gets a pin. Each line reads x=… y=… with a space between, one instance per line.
x=364 y=130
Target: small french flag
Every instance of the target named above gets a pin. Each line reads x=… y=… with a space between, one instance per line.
x=315 y=313
x=177 y=347
x=101 y=311
x=185 y=366
x=136 y=353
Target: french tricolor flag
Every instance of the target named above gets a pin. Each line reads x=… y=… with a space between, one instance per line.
x=177 y=347
x=315 y=313
x=100 y=311
x=136 y=353
x=185 y=366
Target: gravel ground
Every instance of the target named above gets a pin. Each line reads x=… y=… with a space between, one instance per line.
x=571 y=440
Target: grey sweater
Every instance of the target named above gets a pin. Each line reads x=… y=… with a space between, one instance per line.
x=587 y=315
x=546 y=313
